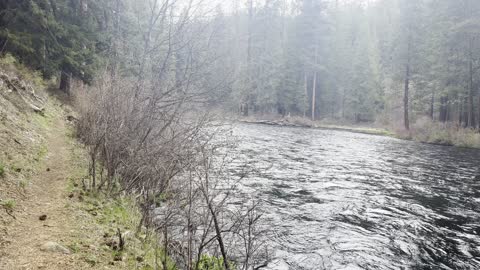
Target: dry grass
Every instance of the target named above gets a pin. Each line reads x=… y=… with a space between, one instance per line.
x=424 y=130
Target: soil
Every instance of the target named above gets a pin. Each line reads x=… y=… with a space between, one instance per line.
x=46 y=196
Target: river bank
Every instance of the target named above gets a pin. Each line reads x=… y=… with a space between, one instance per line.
x=423 y=131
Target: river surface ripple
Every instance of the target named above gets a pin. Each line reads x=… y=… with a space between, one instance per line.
x=342 y=200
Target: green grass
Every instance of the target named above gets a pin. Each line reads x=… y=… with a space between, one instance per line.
x=8 y=205
x=2 y=170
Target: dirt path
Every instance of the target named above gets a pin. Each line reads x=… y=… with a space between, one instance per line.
x=47 y=195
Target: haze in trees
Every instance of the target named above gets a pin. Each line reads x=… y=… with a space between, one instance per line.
x=155 y=83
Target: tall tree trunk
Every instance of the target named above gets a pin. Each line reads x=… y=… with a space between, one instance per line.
x=405 y=97
x=314 y=87
x=441 y=116
x=313 y=94
x=432 y=104
x=478 y=116
x=406 y=119
x=471 y=108
x=466 y=112
x=460 y=113
x=66 y=81
x=305 y=97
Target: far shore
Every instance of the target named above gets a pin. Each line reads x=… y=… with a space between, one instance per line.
x=464 y=138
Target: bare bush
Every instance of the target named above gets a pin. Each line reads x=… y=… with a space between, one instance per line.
x=149 y=134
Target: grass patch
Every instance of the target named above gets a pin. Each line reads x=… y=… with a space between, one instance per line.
x=2 y=170
x=8 y=205
x=10 y=64
x=105 y=216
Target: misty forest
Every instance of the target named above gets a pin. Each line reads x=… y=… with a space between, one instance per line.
x=239 y=134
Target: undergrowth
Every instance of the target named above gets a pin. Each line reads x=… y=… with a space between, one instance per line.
x=424 y=130
x=109 y=218
x=10 y=64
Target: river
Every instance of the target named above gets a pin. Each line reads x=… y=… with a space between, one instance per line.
x=342 y=200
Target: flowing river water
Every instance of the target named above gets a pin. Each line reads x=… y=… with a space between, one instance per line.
x=342 y=200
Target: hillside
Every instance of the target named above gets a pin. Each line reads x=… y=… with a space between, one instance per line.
x=48 y=220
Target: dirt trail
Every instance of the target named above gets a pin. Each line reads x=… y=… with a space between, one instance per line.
x=47 y=195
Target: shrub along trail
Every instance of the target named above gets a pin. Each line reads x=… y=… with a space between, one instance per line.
x=36 y=241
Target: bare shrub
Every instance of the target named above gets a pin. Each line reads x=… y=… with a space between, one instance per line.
x=149 y=134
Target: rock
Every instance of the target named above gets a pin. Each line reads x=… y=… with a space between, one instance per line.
x=118 y=257
x=71 y=118
x=54 y=247
x=111 y=243
x=37 y=109
x=42 y=217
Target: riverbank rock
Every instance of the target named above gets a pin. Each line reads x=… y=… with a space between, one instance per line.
x=54 y=247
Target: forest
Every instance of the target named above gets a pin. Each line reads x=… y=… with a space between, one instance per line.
x=155 y=82
x=393 y=62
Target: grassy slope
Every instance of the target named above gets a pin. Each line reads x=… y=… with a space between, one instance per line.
x=93 y=219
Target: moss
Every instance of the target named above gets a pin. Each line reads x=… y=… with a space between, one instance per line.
x=213 y=263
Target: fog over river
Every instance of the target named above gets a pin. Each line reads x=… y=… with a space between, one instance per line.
x=342 y=200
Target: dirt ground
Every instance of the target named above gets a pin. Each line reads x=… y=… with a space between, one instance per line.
x=46 y=195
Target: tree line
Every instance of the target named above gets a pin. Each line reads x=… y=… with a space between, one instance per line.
x=391 y=61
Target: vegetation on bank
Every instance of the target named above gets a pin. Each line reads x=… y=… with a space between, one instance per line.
x=98 y=216
x=423 y=130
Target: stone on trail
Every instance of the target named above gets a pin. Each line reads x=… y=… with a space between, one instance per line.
x=54 y=247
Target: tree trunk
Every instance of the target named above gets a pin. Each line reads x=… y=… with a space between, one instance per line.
x=406 y=119
x=305 y=98
x=442 y=111
x=218 y=232
x=460 y=113
x=478 y=116
x=471 y=108
x=66 y=82
x=313 y=94
x=165 y=248
x=405 y=98
x=314 y=87
x=432 y=104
